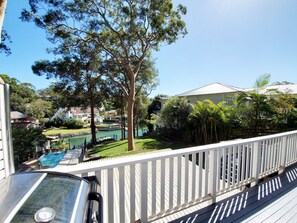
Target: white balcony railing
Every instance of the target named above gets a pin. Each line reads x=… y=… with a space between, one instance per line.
x=154 y=184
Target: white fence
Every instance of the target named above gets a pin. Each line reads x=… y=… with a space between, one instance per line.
x=6 y=156
x=149 y=185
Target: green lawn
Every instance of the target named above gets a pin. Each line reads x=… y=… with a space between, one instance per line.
x=65 y=131
x=120 y=148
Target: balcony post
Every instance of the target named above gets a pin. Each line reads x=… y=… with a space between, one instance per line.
x=212 y=175
x=144 y=192
x=256 y=152
x=283 y=154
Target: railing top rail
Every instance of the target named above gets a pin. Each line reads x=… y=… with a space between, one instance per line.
x=141 y=158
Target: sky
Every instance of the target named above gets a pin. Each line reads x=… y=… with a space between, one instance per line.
x=229 y=41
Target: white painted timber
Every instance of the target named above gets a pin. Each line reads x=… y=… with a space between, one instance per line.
x=148 y=189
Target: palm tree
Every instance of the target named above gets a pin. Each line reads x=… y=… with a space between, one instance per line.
x=258 y=100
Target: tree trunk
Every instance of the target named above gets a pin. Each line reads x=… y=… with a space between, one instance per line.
x=93 y=126
x=122 y=119
x=131 y=101
x=2 y=14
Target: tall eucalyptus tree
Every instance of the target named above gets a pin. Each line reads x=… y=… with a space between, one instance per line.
x=125 y=31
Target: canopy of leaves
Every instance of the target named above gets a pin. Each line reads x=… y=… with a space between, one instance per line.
x=175 y=112
x=21 y=94
x=25 y=141
x=5 y=39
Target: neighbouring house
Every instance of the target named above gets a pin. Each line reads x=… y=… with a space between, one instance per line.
x=83 y=114
x=218 y=92
x=285 y=89
x=20 y=119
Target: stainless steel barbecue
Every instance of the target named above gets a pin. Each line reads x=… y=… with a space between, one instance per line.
x=48 y=197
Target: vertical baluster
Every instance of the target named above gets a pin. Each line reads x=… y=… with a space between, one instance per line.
x=271 y=166
x=132 y=193
x=224 y=168
x=252 y=160
x=229 y=166
x=239 y=152
x=194 y=166
x=233 y=164
x=212 y=185
x=264 y=156
x=186 y=174
x=171 y=179
x=104 y=191
x=273 y=161
x=200 y=181
x=162 y=196
x=243 y=167
x=154 y=187
x=179 y=166
x=256 y=161
x=122 y=193
x=289 y=151
x=248 y=163
x=294 y=140
x=279 y=149
x=218 y=169
x=261 y=148
x=144 y=192
x=270 y=154
x=267 y=156
x=206 y=172
x=283 y=154
x=110 y=195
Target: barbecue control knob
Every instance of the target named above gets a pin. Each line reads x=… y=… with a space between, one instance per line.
x=45 y=214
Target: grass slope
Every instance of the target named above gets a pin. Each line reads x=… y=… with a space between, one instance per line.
x=120 y=148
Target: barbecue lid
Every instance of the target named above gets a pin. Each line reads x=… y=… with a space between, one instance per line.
x=43 y=197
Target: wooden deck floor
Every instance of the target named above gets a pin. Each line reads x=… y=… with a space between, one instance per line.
x=274 y=200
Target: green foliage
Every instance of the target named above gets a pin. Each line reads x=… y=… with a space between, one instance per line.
x=40 y=108
x=74 y=124
x=175 y=112
x=56 y=122
x=21 y=94
x=210 y=122
x=257 y=104
x=5 y=38
x=60 y=145
x=25 y=140
x=122 y=32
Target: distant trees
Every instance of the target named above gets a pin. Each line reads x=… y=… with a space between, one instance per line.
x=124 y=32
x=25 y=140
x=80 y=79
x=24 y=99
x=21 y=94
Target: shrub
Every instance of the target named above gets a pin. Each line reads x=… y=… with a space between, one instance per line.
x=74 y=124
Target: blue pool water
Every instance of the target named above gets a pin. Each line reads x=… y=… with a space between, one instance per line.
x=51 y=159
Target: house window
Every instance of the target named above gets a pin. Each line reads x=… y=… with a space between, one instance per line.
x=229 y=100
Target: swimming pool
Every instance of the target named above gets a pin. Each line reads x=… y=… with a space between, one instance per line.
x=51 y=159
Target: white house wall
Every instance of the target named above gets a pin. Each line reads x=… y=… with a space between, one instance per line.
x=216 y=98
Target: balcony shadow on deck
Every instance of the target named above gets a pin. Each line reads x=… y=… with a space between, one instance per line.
x=247 y=204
